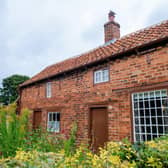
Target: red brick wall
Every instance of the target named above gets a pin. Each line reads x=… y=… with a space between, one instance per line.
x=75 y=94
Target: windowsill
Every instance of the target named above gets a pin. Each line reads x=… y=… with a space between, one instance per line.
x=100 y=83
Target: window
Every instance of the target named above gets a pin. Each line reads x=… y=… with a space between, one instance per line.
x=101 y=76
x=53 y=124
x=150 y=111
x=48 y=89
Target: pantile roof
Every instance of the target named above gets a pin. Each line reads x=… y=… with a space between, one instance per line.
x=124 y=44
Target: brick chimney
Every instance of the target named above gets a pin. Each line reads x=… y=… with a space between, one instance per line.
x=111 y=28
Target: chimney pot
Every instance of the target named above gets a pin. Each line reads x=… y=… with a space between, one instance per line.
x=111 y=16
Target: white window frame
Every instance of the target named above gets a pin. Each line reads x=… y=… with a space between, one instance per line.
x=48 y=90
x=158 y=114
x=101 y=75
x=53 y=125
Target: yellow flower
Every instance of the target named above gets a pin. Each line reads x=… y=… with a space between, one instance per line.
x=115 y=160
x=151 y=144
x=154 y=162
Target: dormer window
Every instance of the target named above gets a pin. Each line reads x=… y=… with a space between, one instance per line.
x=101 y=75
x=48 y=89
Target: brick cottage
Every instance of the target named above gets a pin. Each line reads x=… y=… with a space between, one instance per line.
x=117 y=90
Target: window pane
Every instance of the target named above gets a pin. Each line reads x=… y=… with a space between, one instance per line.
x=147 y=121
x=137 y=136
x=165 y=120
x=141 y=104
x=136 y=113
x=105 y=75
x=160 y=129
x=157 y=93
x=164 y=93
x=153 y=121
x=159 y=112
x=148 y=129
x=153 y=112
x=142 y=112
x=50 y=116
x=165 y=111
x=166 y=129
x=160 y=120
x=151 y=95
x=140 y=96
x=146 y=104
x=135 y=105
x=149 y=137
x=142 y=120
x=152 y=104
x=154 y=136
x=54 y=116
x=137 y=121
x=158 y=103
x=154 y=129
x=58 y=116
x=137 y=129
x=135 y=97
x=147 y=113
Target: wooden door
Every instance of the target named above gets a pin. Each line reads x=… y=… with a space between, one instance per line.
x=98 y=128
x=37 y=119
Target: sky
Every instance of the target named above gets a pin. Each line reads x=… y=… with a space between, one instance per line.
x=38 y=33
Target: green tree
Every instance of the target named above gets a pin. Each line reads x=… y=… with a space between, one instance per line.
x=9 y=92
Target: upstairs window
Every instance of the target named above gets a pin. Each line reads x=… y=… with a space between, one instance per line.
x=150 y=111
x=53 y=124
x=101 y=76
x=48 y=89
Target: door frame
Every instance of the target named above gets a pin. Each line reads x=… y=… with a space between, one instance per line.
x=94 y=106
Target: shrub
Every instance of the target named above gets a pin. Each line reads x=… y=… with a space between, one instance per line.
x=13 y=129
x=42 y=141
x=152 y=154
x=70 y=143
x=15 y=133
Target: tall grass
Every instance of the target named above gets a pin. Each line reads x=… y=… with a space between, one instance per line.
x=16 y=134
x=13 y=129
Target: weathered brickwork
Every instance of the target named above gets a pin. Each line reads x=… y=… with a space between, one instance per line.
x=73 y=95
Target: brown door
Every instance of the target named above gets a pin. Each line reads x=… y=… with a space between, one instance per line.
x=98 y=128
x=37 y=119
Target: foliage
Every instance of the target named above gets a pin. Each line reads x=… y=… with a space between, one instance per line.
x=43 y=141
x=70 y=143
x=16 y=133
x=151 y=154
x=13 y=129
x=8 y=92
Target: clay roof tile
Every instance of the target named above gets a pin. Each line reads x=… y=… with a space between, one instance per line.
x=130 y=41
